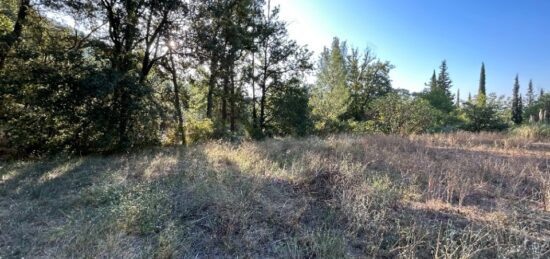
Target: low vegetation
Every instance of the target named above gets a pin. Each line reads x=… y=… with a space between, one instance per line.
x=459 y=195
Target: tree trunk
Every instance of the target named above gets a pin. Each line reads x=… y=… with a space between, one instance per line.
x=181 y=129
x=232 y=107
x=224 y=98
x=16 y=33
x=211 y=87
x=254 y=113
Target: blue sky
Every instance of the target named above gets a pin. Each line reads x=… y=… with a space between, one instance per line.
x=509 y=36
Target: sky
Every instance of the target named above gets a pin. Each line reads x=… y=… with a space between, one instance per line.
x=511 y=37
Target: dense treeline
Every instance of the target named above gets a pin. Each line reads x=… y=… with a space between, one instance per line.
x=104 y=75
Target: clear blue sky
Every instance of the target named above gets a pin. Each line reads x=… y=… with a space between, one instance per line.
x=415 y=35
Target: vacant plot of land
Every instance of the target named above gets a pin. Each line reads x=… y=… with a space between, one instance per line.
x=455 y=195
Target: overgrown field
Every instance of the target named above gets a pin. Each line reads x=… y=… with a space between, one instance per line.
x=449 y=196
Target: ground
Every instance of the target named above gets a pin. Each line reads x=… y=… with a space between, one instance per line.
x=454 y=195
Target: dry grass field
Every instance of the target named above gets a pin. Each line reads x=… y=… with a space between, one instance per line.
x=457 y=195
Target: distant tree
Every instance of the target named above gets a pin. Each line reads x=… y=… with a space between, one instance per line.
x=482 y=118
x=439 y=94
x=433 y=82
x=444 y=82
x=517 y=116
x=530 y=93
x=330 y=96
x=401 y=114
x=367 y=78
x=469 y=97
x=482 y=95
x=541 y=104
x=541 y=93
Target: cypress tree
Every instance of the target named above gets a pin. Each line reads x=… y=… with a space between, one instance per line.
x=530 y=93
x=481 y=95
x=469 y=97
x=517 y=117
x=541 y=93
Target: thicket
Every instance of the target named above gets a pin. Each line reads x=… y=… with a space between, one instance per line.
x=109 y=75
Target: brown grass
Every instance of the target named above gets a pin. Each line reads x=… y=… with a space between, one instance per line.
x=430 y=196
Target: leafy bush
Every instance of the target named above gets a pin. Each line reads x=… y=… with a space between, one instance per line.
x=397 y=114
x=482 y=118
x=198 y=129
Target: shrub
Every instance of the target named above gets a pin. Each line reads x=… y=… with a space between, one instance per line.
x=395 y=114
x=482 y=118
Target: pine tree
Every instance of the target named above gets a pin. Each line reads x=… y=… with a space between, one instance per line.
x=331 y=96
x=469 y=97
x=482 y=95
x=517 y=117
x=439 y=95
x=433 y=82
x=541 y=93
x=530 y=93
x=444 y=82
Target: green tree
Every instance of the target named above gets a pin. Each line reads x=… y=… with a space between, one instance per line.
x=517 y=114
x=330 y=95
x=433 y=82
x=482 y=118
x=367 y=78
x=530 y=93
x=401 y=114
x=481 y=94
x=444 y=81
x=439 y=95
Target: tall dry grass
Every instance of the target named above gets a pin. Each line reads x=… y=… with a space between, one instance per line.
x=454 y=195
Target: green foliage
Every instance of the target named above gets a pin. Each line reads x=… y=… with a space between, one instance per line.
x=517 y=106
x=290 y=113
x=346 y=85
x=438 y=99
x=438 y=94
x=368 y=79
x=444 y=81
x=398 y=114
x=481 y=94
x=482 y=118
x=530 y=93
x=330 y=95
x=536 y=109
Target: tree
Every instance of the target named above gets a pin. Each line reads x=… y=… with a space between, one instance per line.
x=282 y=64
x=439 y=95
x=289 y=110
x=10 y=39
x=517 y=116
x=400 y=114
x=481 y=94
x=482 y=118
x=444 y=82
x=367 y=78
x=530 y=93
x=330 y=94
x=433 y=82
